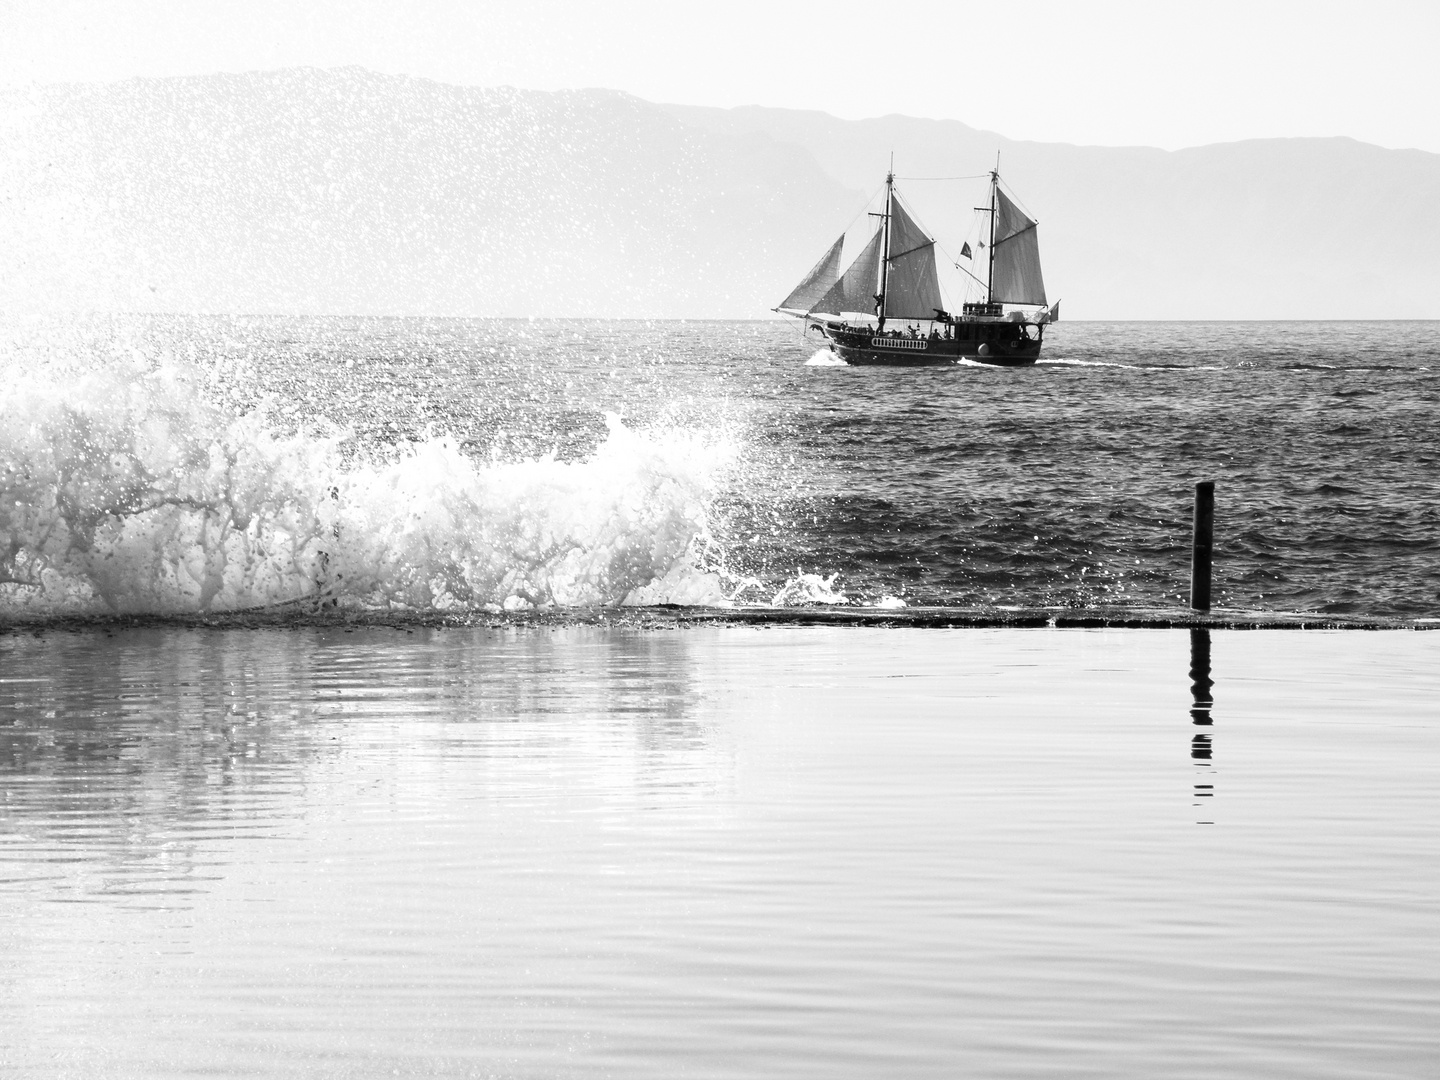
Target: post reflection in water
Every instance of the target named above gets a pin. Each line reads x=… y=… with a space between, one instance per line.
x=1202 y=699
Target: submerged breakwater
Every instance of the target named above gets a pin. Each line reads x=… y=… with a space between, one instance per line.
x=204 y=465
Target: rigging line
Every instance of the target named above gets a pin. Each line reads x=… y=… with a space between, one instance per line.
x=865 y=210
x=1016 y=200
x=956 y=264
x=862 y=212
x=911 y=179
x=946 y=252
x=915 y=217
x=967 y=273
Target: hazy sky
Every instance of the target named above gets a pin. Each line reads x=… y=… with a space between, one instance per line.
x=1154 y=73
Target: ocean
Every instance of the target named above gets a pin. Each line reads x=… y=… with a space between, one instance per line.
x=357 y=837
x=199 y=465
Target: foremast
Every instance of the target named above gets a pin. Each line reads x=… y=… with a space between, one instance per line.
x=894 y=276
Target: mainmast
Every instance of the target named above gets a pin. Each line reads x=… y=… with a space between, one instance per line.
x=990 y=262
x=885 y=256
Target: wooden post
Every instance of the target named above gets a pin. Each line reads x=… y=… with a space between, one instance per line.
x=1203 y=545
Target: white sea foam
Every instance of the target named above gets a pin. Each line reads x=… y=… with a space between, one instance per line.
x=809 y=589
x=1067 y=362
x=825 y=358
x=122 y=489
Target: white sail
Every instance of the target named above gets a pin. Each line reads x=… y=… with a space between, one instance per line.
x=912 y=288
x=817 y=282
x=1015 y=273
x=855 y=291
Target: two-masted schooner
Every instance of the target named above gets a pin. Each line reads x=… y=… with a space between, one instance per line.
x=886 y=308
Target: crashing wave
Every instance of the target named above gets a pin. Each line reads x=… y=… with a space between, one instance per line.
x=123 y=490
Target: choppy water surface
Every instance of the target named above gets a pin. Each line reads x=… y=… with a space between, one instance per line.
x=719 y=853
x=213 y=464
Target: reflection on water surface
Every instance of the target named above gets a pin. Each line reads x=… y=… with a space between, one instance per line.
x=722 y=852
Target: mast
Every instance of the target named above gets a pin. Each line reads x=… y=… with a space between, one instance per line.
x=885 y=256
x=990 y=262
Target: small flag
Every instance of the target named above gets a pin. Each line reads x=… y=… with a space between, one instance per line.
x=965 y=251
x=980 y=243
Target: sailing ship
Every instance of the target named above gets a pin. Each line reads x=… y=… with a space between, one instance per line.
x=895 y=278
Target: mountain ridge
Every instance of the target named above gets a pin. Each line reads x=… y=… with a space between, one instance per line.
x=344 y=191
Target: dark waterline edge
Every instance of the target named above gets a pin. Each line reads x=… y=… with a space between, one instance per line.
x=680 y=617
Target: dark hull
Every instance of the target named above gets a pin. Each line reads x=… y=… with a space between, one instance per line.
x=1003 y=344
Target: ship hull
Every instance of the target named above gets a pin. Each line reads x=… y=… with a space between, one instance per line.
x=1002 y=344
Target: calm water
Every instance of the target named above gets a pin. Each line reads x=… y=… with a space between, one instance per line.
x=718 y=853
x=189 y=464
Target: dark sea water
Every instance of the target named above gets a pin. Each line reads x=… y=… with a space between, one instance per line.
x=191 y=464
x=534 y=848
